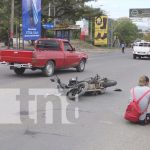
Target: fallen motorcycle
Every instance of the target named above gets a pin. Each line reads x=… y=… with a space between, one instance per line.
x=93 y=85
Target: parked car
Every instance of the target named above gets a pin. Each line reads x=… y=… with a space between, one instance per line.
x=141 y=49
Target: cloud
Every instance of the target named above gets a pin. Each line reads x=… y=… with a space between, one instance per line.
x=119 y=8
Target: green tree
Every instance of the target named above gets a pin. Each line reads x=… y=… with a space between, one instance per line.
x=125 y=30
x=5 y=13
x=147 y=36
x=4 y=19
x=66 y=11
x=69 y=10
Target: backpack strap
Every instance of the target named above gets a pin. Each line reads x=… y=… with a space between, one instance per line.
x=132 y=90
x=140 y=98
x=143 y=96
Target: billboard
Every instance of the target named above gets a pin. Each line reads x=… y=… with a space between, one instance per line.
x=101 y=30
x=140 y=13
x=31 y=19
x=85 y=27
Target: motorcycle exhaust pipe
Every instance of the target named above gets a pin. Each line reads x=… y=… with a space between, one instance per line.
x=109 y=84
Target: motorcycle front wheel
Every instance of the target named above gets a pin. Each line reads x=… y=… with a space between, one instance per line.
x=77 y=91
x=72 y=94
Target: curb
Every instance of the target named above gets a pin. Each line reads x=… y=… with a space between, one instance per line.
x=99 y=50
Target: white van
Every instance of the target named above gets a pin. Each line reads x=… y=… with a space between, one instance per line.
x=141 y=49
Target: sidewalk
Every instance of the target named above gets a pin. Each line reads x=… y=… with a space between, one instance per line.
x=88 y=47
x=99 y=50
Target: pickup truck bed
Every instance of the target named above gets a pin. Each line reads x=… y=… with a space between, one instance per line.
x=21 y=56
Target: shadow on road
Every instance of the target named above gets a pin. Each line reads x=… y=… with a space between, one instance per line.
x=38 y=74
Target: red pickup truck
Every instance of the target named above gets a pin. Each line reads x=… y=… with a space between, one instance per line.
x=47 y=55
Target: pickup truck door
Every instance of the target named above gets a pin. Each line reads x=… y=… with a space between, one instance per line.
x=56 y=55
x=72 y=58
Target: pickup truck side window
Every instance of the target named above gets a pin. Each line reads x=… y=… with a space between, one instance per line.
x=67 y=46
x=49 y=45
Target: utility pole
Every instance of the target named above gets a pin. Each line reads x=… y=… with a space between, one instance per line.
x=91 y=30
x=49 y=9
x=11 y=34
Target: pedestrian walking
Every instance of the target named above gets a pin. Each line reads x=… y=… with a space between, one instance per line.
x=122 y=47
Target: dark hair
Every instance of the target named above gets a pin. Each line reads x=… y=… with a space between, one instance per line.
x=146 y=78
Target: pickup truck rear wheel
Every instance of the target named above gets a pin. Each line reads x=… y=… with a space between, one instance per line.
x=19 y=71
x=48 y=70
x=81 y=66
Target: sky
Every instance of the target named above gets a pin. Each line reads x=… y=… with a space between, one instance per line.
x=120 y=8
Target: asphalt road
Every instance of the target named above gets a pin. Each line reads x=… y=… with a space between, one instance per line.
x=99 y=124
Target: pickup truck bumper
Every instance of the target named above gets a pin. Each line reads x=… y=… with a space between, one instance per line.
x=17 y=65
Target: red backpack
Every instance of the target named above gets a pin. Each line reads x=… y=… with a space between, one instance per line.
x=133 y=110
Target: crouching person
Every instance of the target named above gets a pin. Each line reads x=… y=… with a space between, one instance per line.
x=136 y=110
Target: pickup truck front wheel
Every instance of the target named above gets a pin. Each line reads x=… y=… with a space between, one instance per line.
x=19 y=71
x=81 y=66
x=48 y=70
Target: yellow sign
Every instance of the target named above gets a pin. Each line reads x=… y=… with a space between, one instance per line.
x=101 y=30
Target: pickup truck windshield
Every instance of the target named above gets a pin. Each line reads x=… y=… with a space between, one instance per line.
x=48 y=44
x=142 y=44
